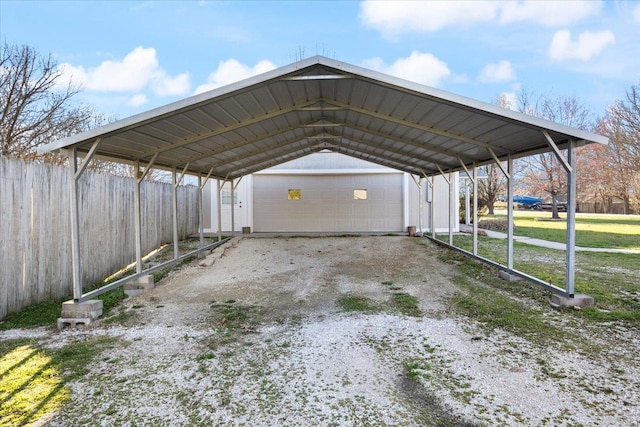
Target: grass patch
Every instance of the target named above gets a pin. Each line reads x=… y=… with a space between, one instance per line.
x=46 y=313
x=405 y=304
x=498 y=311
x=357 y=303
x=595 y=231
x=41 y=314
x=33 y=380
x=612 y=279
x=232 y=321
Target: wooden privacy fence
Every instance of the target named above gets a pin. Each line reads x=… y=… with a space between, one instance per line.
x=35 y=231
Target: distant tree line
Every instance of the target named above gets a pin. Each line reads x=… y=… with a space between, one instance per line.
x=38 y=107
x=605 y=173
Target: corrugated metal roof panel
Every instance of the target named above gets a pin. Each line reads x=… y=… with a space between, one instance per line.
x=322 y=103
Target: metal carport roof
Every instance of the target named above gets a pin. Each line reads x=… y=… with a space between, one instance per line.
x=319 y=104
x=322 y=104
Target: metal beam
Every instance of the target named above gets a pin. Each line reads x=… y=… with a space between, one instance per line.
x=419 y=185
x=87 y=158
x=571 y=221
x=442 y=173
x=383 y=147
x=146 y=170
x=506 y=174
x=411 y=143
x=451 y=191
x=138 y=177
x=358 y=154
x=176 y=251
x=433 y=207
x=260 y=150
x=226 y=129
x=510 y=185
x=270 y=156
x=75 y=228
x=94 y=293
x=525 y=276
x=318 y=77
x=213 y=153
x=567 y=167
x=200 y=211
x=419 y=126
x=475 y=209
x=219 y=209
x=184 y=171
x=204 y=182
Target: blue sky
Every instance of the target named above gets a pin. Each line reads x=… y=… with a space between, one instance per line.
x=131 y=56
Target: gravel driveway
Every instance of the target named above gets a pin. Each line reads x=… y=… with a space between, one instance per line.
x=260 y=339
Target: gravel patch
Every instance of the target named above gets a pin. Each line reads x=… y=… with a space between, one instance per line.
x=258 y=339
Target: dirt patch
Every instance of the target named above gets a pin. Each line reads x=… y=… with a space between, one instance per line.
x=260 y=339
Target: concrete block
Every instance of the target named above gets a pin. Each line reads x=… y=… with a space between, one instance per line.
x=579 y=300
x=505 y=275
x=139 y=285
x=72 y=323
x=91 y=309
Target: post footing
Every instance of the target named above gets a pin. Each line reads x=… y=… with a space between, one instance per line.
x=579 y=300
x=139 y=285
x=79 y=313
x=505 y=275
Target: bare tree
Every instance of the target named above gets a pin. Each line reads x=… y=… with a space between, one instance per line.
x=621 y=124
x=34 y=107
x=543 y=172
x=491 y=186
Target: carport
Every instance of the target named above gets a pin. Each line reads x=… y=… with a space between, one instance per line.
x=323 y=104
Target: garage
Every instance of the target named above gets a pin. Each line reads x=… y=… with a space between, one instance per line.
x=341 y=203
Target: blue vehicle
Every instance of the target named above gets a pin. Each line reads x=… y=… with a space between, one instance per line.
x=526 y=202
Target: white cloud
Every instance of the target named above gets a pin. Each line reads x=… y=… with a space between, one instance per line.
x=548 y=13
x=166 y=85
x=392 y=18
x=137 y=71
x=396 y=17
x=499 y=72
x=231 y=71
x=589 y=44
x=138 y=100
x=423 y=68
x=636 y=13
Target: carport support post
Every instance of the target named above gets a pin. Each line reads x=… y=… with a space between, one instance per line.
x=450 y=209
x=137 y=214
x=200 y=214
x=219 y=201
x=475 y=209
x=419 y=182
x=176 y=252
x=467 y=203
x=433 y=207
x=571 y=219
x=233 y=215
x=75 y=228
x=510 y=213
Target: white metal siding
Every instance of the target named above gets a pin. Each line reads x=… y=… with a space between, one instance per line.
x=327 y=203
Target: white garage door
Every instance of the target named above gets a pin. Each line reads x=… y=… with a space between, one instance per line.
x=327 y=203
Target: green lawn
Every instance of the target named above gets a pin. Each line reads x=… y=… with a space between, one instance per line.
x=612 y=279
x=592 y=230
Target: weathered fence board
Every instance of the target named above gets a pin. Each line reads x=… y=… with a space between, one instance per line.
x=35 y=240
